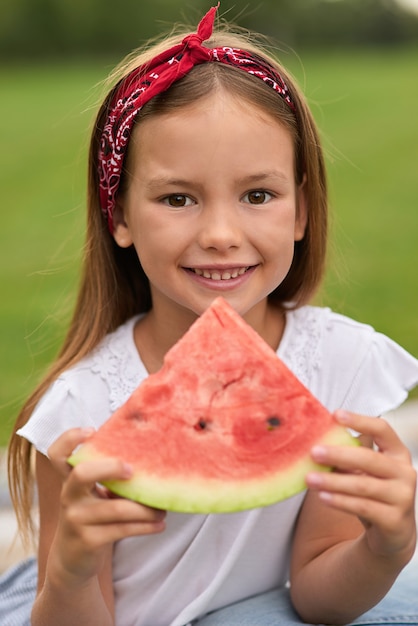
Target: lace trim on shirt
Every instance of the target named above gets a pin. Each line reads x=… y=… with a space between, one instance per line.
x=302 y=352
x=118 y=364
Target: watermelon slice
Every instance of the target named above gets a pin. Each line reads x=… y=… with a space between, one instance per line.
x=223 y=426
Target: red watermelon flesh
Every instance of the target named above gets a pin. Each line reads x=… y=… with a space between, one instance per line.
x=223 y=426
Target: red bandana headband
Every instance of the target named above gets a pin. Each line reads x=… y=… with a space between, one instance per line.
x=146 y=81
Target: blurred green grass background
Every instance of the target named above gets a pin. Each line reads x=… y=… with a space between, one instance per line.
x=365 y=103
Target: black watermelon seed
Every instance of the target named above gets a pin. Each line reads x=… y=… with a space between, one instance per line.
x=273 y=422
x=201 y=424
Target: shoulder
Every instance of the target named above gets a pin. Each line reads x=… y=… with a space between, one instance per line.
x=90 y=391
x=314 y=334
x=346 y=363
x=111 y=371
x=114 y=364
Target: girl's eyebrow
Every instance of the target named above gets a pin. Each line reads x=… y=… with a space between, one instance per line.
x=259 y=177
x=162 y=181
x=250 y=179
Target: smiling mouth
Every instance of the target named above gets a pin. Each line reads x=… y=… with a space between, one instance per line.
x=226 y=274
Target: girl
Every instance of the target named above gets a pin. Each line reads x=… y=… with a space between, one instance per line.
x=206 y=178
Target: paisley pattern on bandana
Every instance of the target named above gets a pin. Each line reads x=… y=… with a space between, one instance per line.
x=145 y=82
x=255 y=65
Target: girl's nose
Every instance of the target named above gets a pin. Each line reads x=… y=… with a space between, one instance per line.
x=220 y=228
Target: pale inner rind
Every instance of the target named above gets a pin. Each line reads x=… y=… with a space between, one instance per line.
x=189 y=494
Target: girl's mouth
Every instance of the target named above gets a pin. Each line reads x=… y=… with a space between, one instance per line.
x=218 y=274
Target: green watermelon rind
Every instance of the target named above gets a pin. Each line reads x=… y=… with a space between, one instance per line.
x=187 y=494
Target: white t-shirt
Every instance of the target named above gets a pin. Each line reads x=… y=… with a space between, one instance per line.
x=203 y=562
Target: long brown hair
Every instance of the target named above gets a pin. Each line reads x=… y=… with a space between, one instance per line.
x=113 y=285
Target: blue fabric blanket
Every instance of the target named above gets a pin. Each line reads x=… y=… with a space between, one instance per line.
x=17 y=593
x=400 y=606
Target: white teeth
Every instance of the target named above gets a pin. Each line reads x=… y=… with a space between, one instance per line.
x=218 y=275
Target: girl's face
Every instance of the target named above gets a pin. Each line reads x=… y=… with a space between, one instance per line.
x=211 y=205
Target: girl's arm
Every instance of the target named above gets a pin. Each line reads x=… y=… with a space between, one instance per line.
x=356 y=530
x=78 y=527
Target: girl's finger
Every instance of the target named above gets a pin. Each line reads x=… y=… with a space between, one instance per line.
x=388 y=526
x=63 y=447
x=392 y=492
x=102 y=512
x=383 y=435
x=85 y=476
x=98 y=536
x=371 y=513
x=361 y=460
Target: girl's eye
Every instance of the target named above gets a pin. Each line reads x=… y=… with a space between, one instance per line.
x=178 y=200
x=257 y=196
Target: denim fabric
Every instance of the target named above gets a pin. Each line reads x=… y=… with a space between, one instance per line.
x=400 y=605
x=17 y=593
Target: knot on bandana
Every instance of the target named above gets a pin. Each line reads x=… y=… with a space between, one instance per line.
x=204 y=31
x=193 y=51
x=193 y=44
x=155 y=77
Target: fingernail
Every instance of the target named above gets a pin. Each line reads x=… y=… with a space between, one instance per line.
x=314 y=480
x=342 y=416
x=127 y=470
x=325 y=496
x=88 y=431
x=318 y=452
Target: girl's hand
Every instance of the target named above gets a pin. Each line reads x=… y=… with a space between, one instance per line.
x=90 y=518
x=375 y=484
